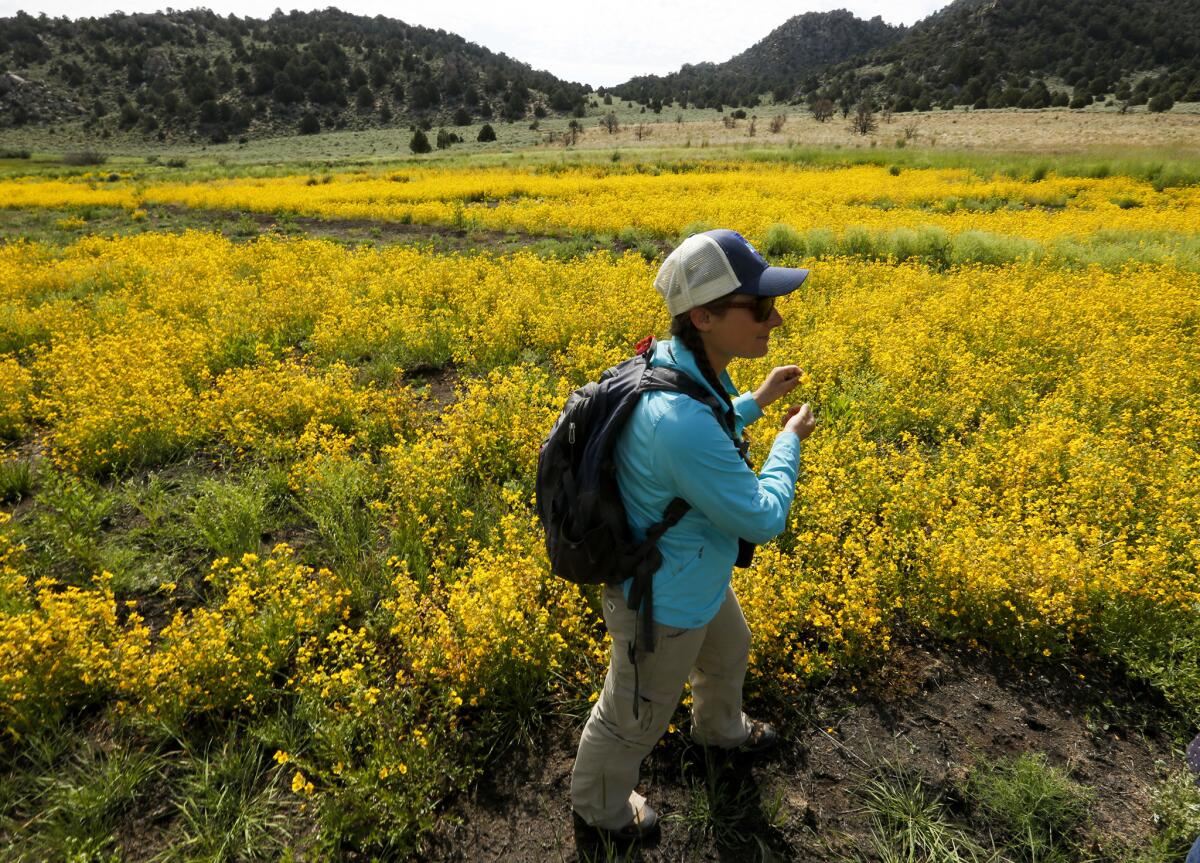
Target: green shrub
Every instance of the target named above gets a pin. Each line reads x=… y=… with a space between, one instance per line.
x=934 y=246
x=695 y=228
x=980 y=247
x=1161 y=102
x=859 y=242
x=420 y=142
x=783 y=240
x=84 y=157
x=820 y=243
x=904 y=244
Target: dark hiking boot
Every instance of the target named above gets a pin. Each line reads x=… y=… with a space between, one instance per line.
x=763 y=737
x=643 y=829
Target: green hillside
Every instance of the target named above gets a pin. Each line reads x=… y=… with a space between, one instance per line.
x=183 y=75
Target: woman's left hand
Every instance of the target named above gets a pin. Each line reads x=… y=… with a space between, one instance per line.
x=781 y=381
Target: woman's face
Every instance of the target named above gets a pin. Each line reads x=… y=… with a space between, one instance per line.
x=736 y=333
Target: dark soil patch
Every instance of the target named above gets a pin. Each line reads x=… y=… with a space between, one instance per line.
x=42 y=225
x=929 y=710
x=444 y=238
x=435 y=384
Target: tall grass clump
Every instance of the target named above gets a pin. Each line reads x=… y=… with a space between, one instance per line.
x=1033 y=807
x=783 y=240
x=1176 y=809
x=16 y=479
x=233 y=805
x=335 y=496
x=230 y=515
x=908 y=823
x=74 y=811
x=979 y=247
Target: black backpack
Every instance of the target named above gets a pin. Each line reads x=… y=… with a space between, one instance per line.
x=587 y=531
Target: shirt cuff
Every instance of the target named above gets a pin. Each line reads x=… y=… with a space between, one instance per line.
x=747 y=408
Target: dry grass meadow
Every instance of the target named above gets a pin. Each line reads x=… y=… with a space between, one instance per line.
x=1048 y=131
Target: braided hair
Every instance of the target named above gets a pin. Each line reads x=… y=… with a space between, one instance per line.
x=683 y=329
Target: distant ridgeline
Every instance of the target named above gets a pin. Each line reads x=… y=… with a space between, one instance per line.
x=984 y=53
x=195 y=73
x=199 y=73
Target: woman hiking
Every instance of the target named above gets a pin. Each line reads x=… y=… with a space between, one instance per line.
x=721 y=295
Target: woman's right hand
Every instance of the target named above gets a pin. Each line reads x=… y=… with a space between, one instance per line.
x=800 y=421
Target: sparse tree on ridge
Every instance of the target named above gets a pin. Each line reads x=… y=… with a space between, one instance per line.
x=864 y=118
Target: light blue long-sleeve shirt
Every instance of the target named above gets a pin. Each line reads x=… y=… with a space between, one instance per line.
x=672 y=446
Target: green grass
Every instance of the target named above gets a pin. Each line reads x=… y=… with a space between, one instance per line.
x=909 y=824
x=74 y=806
x=230 y=515
x=64 y=534
x=232 y=804
x=1035 y=809
x=1177 y=817
x=519 y=145
x=17 y=478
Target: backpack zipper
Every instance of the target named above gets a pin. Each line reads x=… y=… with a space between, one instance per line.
x=571 y=434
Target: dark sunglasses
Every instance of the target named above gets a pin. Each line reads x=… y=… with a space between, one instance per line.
x=760 y=306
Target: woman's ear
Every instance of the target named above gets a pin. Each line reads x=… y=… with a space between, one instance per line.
x=701 y=319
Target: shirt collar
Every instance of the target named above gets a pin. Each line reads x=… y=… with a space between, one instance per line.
x=673 y=352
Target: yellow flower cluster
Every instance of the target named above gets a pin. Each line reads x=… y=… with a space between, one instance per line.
x=662 y=200
x=16 y=386
x=497 y=627
x=60 y=646
x=747 y=198
x=227 y=654
x=134 y=349
x=1005 y=455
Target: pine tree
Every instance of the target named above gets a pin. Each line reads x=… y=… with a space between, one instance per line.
x=419 y=142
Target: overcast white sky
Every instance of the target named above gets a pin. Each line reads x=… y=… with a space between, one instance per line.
x=601 y=45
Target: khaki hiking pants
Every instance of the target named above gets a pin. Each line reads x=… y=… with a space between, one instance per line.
x=712 y=657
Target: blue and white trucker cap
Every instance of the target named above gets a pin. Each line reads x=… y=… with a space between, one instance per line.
x=715 y=263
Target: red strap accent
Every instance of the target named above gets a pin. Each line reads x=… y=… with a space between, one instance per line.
x=644 y=345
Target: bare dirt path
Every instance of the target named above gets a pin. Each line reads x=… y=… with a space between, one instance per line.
x=930 y=712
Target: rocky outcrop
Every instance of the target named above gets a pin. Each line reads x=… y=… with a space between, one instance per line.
x=23 y=100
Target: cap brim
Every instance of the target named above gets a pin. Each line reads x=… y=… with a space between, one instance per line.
x=775 y=282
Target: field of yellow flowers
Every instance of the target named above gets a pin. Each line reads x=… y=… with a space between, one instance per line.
x=279 y=492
